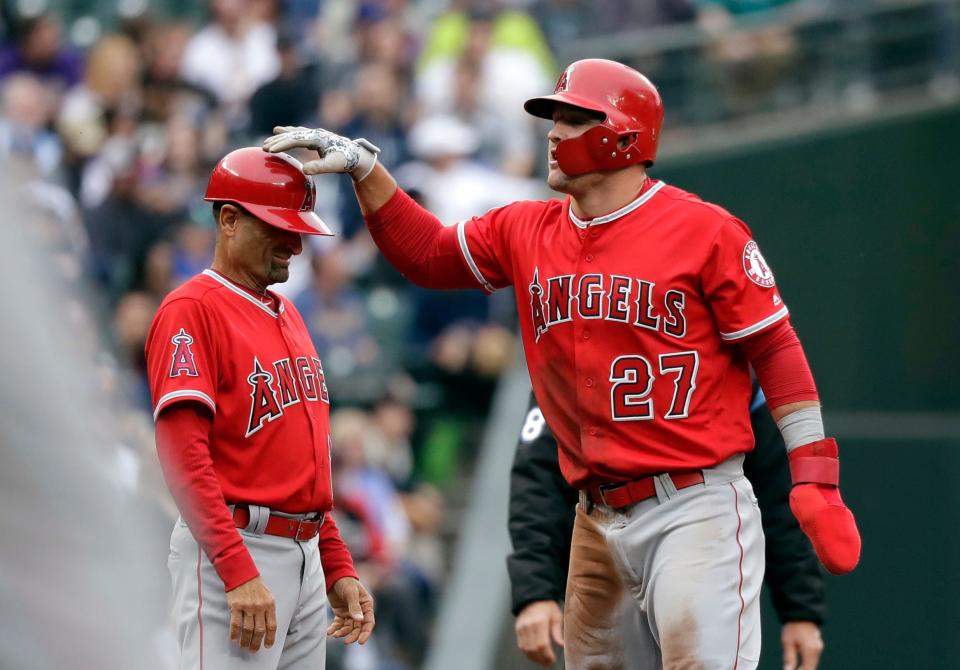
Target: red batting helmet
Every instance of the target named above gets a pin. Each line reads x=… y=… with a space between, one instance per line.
x=272 y=187
x=631 y=109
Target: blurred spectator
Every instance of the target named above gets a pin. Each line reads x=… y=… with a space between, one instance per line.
x=232 y=56
x=290 y=99
x=131 y=323
x=38 y=48
x=335 y=315
x=26 y=111
x=502 y=54
x=162 y=52
x=454 y=185
x=107 y=102
x=170 y=263
x=358 y=481
x=192 y=251
x=383 y=529
x=752 y=63
x=389 y=447
x=171 y=178
x=377 y=112
x=516 y=61
x=123 y=226
x=510 y=148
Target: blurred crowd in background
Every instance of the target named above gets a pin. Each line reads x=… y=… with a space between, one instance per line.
x=114 y=121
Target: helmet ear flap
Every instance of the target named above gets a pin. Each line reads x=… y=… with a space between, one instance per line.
x=598 y=148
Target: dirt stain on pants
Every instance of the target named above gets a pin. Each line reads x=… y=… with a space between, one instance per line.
x=594 y=602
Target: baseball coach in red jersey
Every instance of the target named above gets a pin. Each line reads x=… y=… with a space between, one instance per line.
x=641 y=308
x=243 y=436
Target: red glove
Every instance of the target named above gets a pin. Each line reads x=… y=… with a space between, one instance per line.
x=815 y=501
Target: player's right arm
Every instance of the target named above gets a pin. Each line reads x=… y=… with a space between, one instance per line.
x=415 y=242
x=182 y=365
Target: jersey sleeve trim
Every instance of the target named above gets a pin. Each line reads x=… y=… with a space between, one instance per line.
x=184 y=393
x=465 y=250
x=755 y=328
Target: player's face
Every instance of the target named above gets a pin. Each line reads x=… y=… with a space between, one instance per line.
x=265 y=250
x=567 y=122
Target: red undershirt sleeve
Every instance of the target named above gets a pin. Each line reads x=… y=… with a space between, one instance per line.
x=781 y=366
x=334 y=556
x=183 y=438
x=421 y=248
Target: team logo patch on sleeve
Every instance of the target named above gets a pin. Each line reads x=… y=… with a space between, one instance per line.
x=756 y=267
x=183 y=362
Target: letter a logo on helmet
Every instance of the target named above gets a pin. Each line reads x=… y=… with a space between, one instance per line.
x=629 y=104
x=563 y=81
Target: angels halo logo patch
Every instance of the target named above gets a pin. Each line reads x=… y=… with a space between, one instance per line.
x=756 y=267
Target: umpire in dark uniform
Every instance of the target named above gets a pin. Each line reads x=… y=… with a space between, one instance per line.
x=541 y=523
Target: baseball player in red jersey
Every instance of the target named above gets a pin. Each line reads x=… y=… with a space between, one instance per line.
x=641 y=308
x=241 y=410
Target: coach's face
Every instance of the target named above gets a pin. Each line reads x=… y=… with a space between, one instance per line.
x=260 y=251
x=568 y=122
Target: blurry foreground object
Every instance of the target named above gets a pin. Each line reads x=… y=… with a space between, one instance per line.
x=75 y=590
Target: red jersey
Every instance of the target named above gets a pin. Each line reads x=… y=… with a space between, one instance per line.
x=257 y=370
x=628 y=324
x=268 y=442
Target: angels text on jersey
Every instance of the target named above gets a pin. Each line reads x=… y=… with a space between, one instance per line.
x=273 y=388
x=629 y=300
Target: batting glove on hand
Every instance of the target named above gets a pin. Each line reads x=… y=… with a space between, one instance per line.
x=337 y=153
x=816 y=502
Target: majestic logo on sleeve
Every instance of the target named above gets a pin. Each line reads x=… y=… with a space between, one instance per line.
x=183 y=361
x=629 y=300
x=756 y=267
x=285 y=383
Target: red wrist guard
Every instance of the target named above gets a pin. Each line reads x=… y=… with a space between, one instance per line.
x=821 y=512
x=816 y=463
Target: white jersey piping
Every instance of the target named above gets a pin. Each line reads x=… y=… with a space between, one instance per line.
x=243 y=294
x=623 y=211
x=758 y=326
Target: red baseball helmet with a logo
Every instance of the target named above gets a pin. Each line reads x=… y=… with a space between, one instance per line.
x=272 y=187
x=629 y=104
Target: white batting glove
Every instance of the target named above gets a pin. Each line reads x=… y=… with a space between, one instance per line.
x=337 y=153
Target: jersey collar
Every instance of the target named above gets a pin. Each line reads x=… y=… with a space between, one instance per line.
x=623 y=211
x=213 y=274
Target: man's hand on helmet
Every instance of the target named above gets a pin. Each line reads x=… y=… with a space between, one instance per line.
x=337 y=153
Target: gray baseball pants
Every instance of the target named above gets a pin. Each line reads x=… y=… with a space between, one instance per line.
x=672 y=582
x=292 y=572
